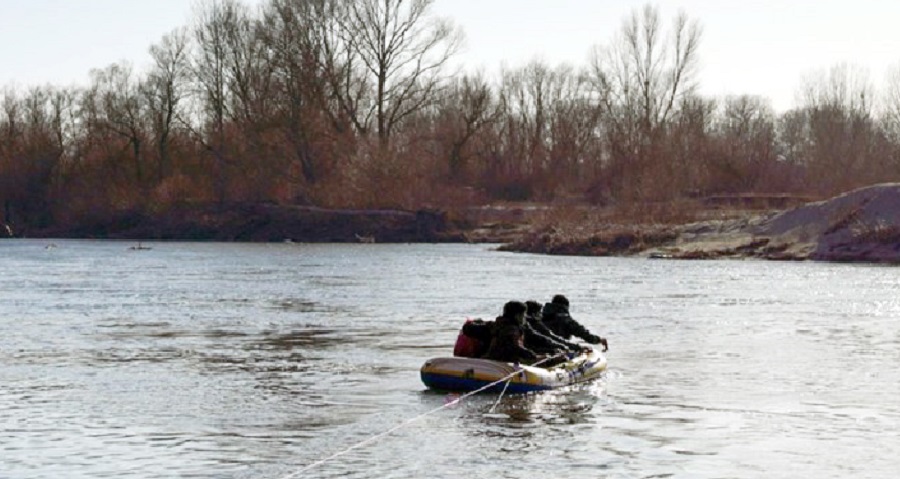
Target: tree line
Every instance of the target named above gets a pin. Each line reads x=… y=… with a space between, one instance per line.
x=355 y=103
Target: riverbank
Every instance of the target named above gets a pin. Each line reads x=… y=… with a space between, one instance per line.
x=263 y=223
x=276 y=223
x=859 y=226
x=862 y=225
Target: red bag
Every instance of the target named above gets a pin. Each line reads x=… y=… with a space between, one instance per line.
x=467 y=346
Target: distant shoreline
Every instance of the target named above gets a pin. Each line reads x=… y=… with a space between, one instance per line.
x=859 y=226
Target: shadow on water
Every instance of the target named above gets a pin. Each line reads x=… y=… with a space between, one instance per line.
x=296 y=305
x=492 y=414
x=311 y=337
x=213 y=351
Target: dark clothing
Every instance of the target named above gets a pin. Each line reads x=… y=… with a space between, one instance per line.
x=478 y=329
x=508 y=342
x=540 y=343
x=556 y=317
x=472 y=340
x=541 y=338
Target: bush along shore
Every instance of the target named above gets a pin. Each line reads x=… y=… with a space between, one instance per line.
x=862 y=225
x=262 y=223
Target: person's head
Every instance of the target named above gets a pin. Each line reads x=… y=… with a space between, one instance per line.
x=514 y=310
x=560 y=300
x=533 y=308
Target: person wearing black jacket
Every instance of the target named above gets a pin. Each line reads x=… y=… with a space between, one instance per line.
x=557 y=318
x=508 y=336
x=539 y=337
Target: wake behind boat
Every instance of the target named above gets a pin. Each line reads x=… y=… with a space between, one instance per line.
x=470 y=374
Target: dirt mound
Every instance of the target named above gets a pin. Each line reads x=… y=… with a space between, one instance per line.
x=861 y=225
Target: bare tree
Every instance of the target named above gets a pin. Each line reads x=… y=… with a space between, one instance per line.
x=10 y=134
x=526 y=97
x=575 y=148
x=746 y=129
x=250 y=67
x=210 y=62
x=844 y=86
x=122 y=109
x=640 y=81
x=299 y=35
x=841 y=128
x=30 y=153
x=467 y=107
x=890 y=121
x=11 y=123
x=166 y=88
x=402 y=50
x=215 y=20
x=643 y=74
x=890 y=102
x=552 y=124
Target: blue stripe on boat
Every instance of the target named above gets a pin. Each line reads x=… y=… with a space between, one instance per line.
x=451 y=383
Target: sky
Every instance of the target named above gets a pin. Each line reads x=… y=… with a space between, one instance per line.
x=758 y=47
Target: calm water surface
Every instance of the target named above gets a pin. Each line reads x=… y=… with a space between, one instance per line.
x=254 y=361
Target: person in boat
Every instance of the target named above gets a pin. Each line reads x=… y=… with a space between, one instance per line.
x=476 y=335
x=508 y=336
x=473 y=339
x=539 y=337
x=556 y=316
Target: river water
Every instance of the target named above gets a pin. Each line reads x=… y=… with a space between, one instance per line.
x=211 y=360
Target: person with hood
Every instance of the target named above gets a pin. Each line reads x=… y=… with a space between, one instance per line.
x=473 y=339
x=557 y=318
x=508 y=336
x=540 y=338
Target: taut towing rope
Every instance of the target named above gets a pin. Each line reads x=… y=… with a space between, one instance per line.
x=414 y=419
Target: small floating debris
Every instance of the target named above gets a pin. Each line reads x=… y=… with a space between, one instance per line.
x=365 y=239
x=495 y=415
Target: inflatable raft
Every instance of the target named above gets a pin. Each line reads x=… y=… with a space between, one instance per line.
x=468 y=374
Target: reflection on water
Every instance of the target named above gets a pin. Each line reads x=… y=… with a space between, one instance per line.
x=230 y=360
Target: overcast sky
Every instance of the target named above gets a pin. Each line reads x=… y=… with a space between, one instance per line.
x=762 y=47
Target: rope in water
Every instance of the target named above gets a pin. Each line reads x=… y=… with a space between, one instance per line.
x=500 y=397
x=410 y=421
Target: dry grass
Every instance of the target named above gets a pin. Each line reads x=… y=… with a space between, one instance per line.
x=623 y=230
x=608 y=240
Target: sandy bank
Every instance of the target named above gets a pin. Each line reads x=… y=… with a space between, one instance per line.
x=862 y=225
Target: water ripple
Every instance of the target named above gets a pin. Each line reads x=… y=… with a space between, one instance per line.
x=238 y=360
